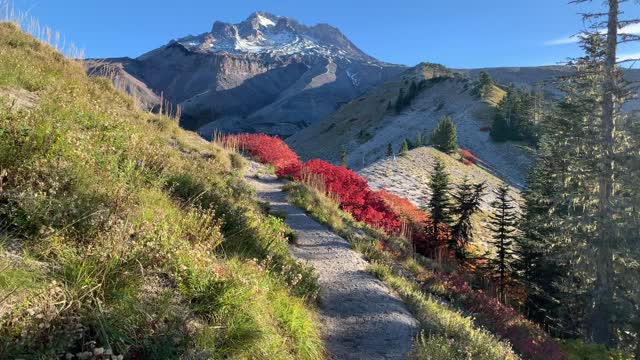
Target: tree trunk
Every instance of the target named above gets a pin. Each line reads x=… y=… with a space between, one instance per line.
x=600 y=327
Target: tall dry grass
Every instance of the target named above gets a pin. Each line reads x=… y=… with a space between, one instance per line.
x=45 y=34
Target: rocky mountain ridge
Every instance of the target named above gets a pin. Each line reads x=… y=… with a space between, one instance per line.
x=265 y=74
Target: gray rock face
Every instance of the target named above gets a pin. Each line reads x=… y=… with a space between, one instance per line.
x=266 y=74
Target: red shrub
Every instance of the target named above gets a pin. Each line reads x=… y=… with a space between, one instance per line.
x=485 y=128
x=467 y=157
x=354 y=195
x=404 y=208
x=268 y=149
x=426 y=242
x=525 y=337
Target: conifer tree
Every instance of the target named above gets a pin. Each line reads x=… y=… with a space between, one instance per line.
x=389 y=150
x=537 y=267
x=590 y=219
x=404 y=149
x=444 y=136
x=400 y=101
x=467 y=198
x=419 y=142
x=502 y=223
x=485 y=82
x=560 y=202
x=440 y=201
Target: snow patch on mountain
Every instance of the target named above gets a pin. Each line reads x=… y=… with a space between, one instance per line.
x=264 y=33
x=266 y=22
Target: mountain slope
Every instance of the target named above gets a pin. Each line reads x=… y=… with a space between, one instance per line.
x=265 y=74
x=122 y=235
x=408 y=177
x=368 y=124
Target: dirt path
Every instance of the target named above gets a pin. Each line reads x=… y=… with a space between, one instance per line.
x=360 y=318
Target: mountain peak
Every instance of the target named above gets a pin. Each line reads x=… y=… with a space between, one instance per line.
x=266 y=33
x=262 y=19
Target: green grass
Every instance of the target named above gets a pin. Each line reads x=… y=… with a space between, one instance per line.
x=121 y=231
x=446 y=332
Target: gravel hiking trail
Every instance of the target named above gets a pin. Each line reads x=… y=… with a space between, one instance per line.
x=359 y=317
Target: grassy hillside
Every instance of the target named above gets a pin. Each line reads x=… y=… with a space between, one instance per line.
x=122 y=235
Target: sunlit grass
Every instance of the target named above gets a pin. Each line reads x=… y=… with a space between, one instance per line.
x=130 y=235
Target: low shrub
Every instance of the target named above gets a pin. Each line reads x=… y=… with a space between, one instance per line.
x=527 y=338
x=450 y=334
x=354 y=194
x=267 y=149
x=467 y=157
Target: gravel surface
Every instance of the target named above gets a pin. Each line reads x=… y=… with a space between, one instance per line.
x=360 y=317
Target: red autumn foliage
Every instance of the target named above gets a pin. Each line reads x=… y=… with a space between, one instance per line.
x=485 y=128
x=525 y=337
x=404 y=208
x=354 y=195
x=268 y=149
x=422 y=235
x=467 y=157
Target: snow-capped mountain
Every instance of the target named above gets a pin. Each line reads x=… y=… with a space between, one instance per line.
x=267 y=73
x=274 y=35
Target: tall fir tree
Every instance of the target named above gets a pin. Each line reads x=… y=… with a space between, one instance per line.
x=467 y=199
x=389 y=150
x=503 y=225
x=440 y=201
x=537 y=266
x=561 y=205
x=592 y=219
x=444 y=136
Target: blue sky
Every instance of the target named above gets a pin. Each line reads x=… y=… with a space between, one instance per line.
x=456 y=33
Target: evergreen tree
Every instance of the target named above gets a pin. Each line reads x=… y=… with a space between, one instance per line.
x=467 y=199
x=419 y=142
x=343 y=156
x=444 y=136
x=404 y=149
x=502 y=223
x=561 y=204
x=413 y=91
x=485 y=82
x=537 y=267
x=514 y=117
x=400 y=101
x=389 y=150
x=440 y=202
x=584 y=208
